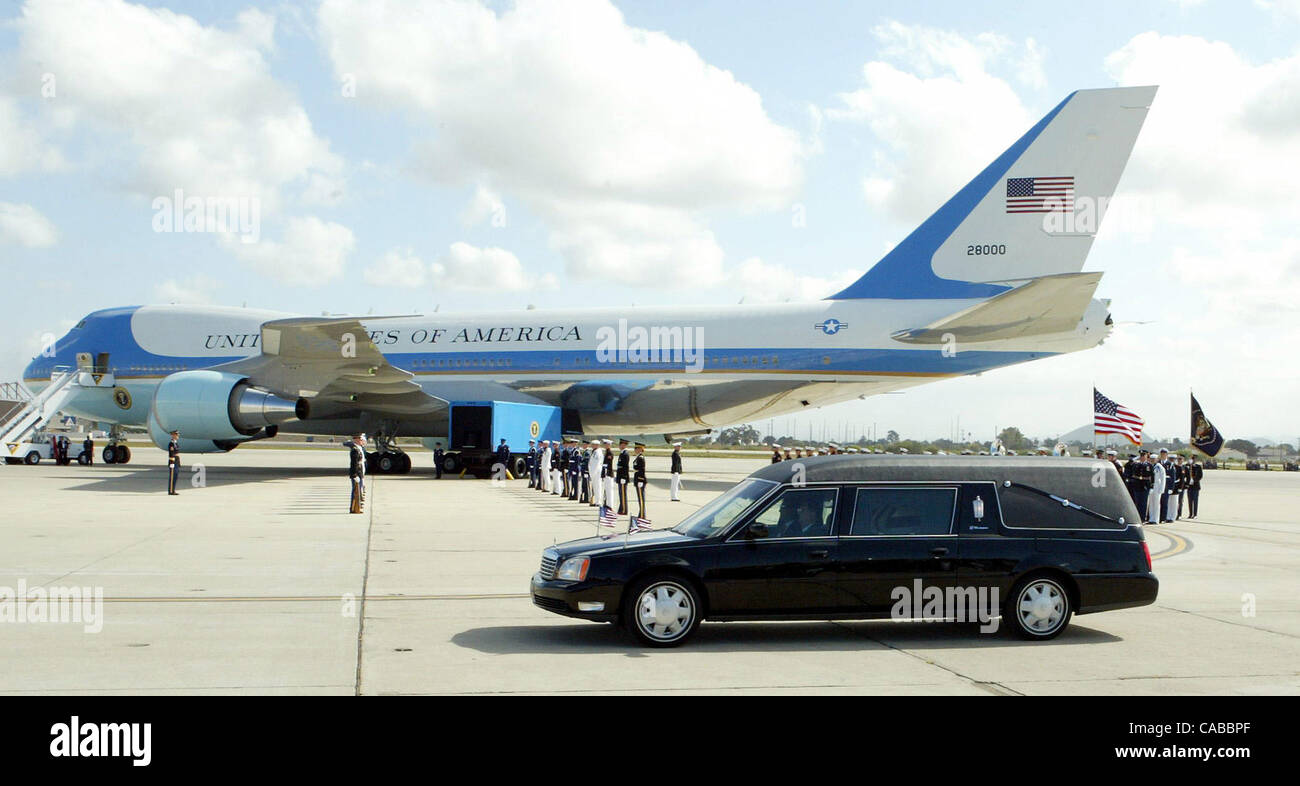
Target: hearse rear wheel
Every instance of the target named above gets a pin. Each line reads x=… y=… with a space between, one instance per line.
x=1039 y=608
x=662 y=611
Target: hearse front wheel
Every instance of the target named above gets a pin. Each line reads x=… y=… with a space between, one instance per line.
x=1039 y=608
x=662 y=611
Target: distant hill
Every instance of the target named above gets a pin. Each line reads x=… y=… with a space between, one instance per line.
x=1085 y=434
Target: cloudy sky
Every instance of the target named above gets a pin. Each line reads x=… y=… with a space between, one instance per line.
x=454 y=154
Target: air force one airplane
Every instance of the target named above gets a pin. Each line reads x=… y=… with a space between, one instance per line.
x=991 y=279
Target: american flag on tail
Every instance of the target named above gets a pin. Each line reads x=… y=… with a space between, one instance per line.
x=1109 y=417
x=607 y=517
x=638 y=524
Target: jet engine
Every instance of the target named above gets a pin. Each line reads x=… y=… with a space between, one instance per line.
x=216 y=411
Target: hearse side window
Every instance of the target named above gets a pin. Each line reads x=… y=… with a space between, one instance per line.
x=899 y=511
x=723 y=511
x=797 y=513
x=1023 y=507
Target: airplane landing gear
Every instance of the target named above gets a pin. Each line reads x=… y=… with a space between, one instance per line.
x=389 y=459
x=116 y=452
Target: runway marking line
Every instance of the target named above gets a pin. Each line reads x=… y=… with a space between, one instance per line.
x=1177 y=545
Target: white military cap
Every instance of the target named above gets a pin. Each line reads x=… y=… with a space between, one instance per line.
x=677 y=444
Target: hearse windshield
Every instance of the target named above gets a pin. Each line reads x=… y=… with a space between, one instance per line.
x=719 y=514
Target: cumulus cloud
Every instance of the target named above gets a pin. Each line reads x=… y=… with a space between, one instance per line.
x=939 y=111
x=21 y=147
x=468 y=267
x=311 y=253
x=24 y=225
x=617 y=137
x=764 y=282
x=198 y=104
x=484 y=207
x=399 y=267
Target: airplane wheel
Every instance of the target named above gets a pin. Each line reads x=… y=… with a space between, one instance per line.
x=451 y=463
x=387 y=463
x=110 y=455
x=32 y=458
x=520 y=469
x=123 y=454
x=405 y=464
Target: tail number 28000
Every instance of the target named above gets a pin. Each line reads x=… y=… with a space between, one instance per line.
x=986 y=250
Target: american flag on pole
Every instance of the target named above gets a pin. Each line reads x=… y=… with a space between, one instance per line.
x=638 y=524
x=1109 y=417
x=1040 y=194
x=607 y=517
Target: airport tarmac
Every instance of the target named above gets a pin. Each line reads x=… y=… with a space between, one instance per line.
x=260 y=582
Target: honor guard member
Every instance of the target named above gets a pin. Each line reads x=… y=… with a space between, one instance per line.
x=1194 y=474
x=437 y=460
x=544 y=467
x=596 y=472
x=675 y=472
x=1156 y=491
x=576 y=462
x=621 y=476
x=587 y=453
x=554 y=486
x=1113 y=458
x=1180 y=487
x=1171 y=480
x=565 y=451
x=531 y=462
x=89 y=447
x=638 y=478
x=776 y=454
x=788 y=455
x=173 y=462
x=1142 y=478
x=357 y=472
x=607 y=474
x=503 y=456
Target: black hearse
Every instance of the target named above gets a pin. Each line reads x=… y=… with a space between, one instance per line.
x=850 y=537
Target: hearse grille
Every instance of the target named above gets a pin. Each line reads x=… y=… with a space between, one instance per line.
x=549 y=563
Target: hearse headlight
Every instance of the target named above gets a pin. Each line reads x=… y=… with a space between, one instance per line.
x=574 y=569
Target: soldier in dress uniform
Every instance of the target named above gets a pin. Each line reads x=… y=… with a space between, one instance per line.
x=621 y=476
x=544 y=467
x=639 y=478
x=1167 y=492
x=1194 y=474
x=531 y=462
x=173 y=462
x=575 y=469
x=1156 y=491
x=607 y=473
x=557 y=478
x=787 y=455
x=776 y=454
x=89 y=447
x=675 y=472
x=503 y=456
x=584 y=496
x=1181 y=490
x=438 y=455
x=357 y=472
x=596 y=473
x=1113 y=457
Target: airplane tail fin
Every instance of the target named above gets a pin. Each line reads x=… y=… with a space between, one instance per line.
x=1032 y=212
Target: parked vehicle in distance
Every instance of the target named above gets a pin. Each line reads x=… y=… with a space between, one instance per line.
x=836 y=537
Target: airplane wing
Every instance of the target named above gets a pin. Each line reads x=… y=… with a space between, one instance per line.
x=1047 y=304
x=331 y=361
